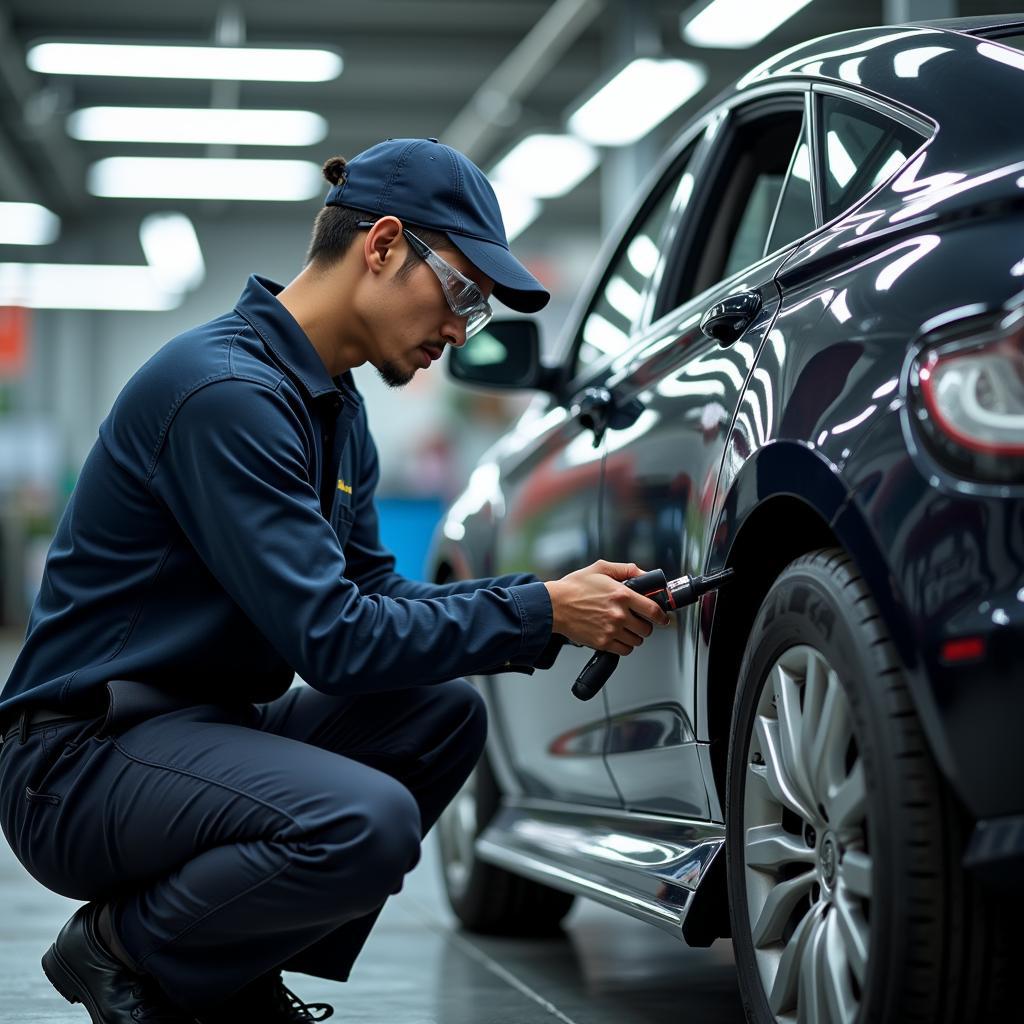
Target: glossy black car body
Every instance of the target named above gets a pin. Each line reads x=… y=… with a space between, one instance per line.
x=805 y=431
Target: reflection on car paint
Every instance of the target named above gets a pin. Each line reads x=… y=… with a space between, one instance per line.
x=808 y=407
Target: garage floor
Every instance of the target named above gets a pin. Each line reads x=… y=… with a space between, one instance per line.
x=418 y=968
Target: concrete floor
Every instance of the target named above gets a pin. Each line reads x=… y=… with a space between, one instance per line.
x=419 y=968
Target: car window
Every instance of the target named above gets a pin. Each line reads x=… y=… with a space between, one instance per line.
x=794 y=215
x=617 y=311
x=862 y=148
x=756 y=200
x=752 y=231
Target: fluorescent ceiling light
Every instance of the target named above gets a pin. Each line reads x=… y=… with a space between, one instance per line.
x=172 y=250
x=735 y=24
x=518 y=210
x=198 y=125
x=639 y=97
x=196 y=178
x=247 y=64
x=545 y=166
x=174 y=265
x=27 y=224
x=82 y=286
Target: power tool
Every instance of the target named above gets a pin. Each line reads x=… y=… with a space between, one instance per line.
x=669 y=595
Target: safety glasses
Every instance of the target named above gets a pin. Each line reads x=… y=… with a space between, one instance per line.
x=463 y=296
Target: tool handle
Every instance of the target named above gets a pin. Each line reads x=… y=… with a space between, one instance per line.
x=595 y=674
x=598 y=670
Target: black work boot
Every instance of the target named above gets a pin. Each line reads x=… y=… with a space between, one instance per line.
x=83 y=970
x=267 y=1000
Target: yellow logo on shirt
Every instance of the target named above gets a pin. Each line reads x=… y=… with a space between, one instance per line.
x=342 y=486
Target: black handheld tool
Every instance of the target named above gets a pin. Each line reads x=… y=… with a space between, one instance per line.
x=670 y=595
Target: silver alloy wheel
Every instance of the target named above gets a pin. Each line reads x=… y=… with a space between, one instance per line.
x=458 y=827
x=808 y=865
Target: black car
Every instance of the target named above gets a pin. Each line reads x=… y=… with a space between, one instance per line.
x=803 y=359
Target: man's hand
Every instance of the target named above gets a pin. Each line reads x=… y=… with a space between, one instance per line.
x=591 y=607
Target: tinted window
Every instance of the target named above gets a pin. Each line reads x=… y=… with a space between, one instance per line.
x=862 y=148
x=795 y=213
x=755 y=201
x=618 y=309
x=752 y=231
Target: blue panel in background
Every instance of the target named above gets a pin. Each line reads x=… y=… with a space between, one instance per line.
x=406 y=526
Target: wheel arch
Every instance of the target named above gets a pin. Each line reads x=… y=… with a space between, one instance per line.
x=786 y=501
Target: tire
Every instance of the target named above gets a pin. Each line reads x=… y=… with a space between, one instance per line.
x=843 y=846
x=487 y=899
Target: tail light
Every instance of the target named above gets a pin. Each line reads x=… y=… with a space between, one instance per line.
x=967 y=392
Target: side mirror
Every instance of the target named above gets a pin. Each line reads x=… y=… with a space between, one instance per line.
x=505 y=355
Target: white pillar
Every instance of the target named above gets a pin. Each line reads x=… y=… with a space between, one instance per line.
x=895 y=12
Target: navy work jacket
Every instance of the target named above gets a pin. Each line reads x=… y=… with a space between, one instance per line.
x=222 y=535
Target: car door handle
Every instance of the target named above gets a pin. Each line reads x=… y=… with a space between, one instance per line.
x=725 y=321
x=593 y=407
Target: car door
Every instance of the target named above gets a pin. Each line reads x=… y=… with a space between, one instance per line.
x=752 y=204
x=550 y=489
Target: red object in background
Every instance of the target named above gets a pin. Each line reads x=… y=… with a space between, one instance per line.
x=15 y=324
x=968 y=648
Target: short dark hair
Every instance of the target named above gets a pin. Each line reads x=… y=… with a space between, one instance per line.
x=335 y=228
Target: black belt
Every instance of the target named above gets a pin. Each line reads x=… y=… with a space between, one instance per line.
x=33 y=719
x=125 y=703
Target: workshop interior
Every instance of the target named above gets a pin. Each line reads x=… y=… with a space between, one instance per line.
x=781 y=374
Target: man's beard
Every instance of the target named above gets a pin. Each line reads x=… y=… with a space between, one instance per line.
x=393 y=376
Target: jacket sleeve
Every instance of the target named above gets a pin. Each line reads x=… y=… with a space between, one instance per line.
x=372 y=566
x=234 y=472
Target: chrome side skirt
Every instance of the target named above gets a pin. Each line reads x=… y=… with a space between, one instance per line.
x=643 y=864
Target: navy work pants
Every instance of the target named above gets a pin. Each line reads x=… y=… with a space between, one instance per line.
x=231 y=842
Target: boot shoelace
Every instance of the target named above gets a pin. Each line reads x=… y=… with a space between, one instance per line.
x=300 y=1011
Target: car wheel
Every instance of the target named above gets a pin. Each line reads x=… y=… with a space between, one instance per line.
x=846 y=895
x=485 y=898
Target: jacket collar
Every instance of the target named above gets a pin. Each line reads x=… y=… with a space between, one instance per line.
x=259 y=306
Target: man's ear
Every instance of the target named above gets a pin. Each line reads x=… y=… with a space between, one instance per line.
x=381 y=244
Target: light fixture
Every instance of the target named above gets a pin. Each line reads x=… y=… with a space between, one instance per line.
x=234 y=63
x=197 y=178
x=197 y=125
x=736 y=24
x=518 y=210
x=172 y=250
x=545 y=166
x=83 y=286
x=639 y=97
x=27 y=224
x=174 y=265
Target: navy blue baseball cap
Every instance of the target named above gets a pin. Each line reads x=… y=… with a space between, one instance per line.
x=434 y=186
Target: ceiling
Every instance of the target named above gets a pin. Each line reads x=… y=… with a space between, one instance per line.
x=412 y=68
